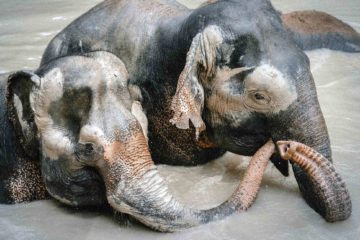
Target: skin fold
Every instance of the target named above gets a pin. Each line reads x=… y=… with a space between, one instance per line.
x=130 y=84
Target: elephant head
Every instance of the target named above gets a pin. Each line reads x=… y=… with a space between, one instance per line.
x=245 y=80
x=86 y=117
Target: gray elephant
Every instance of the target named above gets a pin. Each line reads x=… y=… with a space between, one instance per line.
x=235 y=69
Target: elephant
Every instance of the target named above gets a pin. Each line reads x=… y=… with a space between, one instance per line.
x=133 y=83
x=87 y=118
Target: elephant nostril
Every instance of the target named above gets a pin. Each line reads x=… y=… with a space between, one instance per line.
x=287 y=147
x=283 y=148
x=89 y=148
x=88 y=153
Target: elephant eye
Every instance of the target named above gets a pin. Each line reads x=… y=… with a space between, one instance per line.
x=258 y=100
x=260 y=97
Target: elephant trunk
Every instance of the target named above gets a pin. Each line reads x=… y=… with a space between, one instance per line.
x=303 y=122
x=336 y=203
x=135 y=187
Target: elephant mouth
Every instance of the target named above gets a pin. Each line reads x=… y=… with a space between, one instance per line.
x=249 y=145
x=243 y=144
x=280 y=164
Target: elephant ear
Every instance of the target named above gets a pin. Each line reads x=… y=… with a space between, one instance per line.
x=314 y=29
x=188 y=101
x=21 y=115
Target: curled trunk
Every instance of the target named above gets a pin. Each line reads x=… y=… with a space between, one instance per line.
x=326 y=182
x=135 y=187
x=305 y=123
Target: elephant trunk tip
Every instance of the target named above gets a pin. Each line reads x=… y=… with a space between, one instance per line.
x=330 y=197
x=283 y=148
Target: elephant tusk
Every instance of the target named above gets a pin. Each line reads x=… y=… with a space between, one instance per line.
x=329 y=185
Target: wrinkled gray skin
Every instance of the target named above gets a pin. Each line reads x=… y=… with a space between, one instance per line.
x=92 y=133
x=231 y=68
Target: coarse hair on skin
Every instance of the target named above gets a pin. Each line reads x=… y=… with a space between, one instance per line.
x=26 y=183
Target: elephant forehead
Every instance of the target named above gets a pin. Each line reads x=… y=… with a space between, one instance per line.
x=100 y=72
x=267 y=76
x=65 y=92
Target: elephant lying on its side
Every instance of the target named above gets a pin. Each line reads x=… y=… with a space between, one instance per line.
x=92 y=134
x=234 y=69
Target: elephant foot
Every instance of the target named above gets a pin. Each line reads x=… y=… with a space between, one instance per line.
x=334 y=202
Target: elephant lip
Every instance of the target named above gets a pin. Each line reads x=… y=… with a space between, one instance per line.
x=253 y=144
x=248 y=145
x=280 y=164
